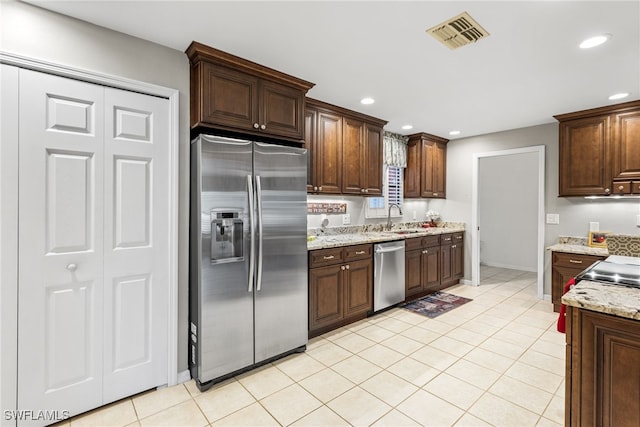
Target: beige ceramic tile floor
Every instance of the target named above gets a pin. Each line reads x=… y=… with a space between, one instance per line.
x=494 y=361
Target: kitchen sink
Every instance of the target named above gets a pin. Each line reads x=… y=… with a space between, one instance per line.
x=404 y=231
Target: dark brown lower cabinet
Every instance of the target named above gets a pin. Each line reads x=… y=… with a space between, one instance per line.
x=602 y=370
x=432 y=263
x=565 y=266
x=340 y=287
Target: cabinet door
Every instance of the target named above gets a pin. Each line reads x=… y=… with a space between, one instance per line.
x=358 y=288
x=310 y=126
x=626 y=146
x=282 y=110
x=457 y=260
x=431 y=268
x=413 y=171
x=606 y=378
x=412 y=272
x=559 y=278
x=229 y=98
x=426 y=180
x=353 y=156
x=325 y=296
x=439 y=167
x=585 y=157
x=446 y=270
x=373 y=165
x=328 y=168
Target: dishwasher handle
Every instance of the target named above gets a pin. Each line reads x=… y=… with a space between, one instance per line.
x=391 y=249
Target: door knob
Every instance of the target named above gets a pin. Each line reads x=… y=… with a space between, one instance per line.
x=256 y=126
x=72 y=267
x=263 y=127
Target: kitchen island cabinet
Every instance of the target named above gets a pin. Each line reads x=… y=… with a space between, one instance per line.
x=600 y=151
x=340 y=287
x=602 y=354
x=231 y=94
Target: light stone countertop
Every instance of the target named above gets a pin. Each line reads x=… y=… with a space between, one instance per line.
x=621 y=301
x=578 y=249
x=358 y=238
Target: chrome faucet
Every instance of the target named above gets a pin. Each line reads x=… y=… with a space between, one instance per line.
x=389 y=214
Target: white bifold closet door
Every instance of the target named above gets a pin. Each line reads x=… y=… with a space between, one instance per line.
x=93 y=243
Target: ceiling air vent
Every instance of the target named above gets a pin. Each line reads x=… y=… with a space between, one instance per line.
x=459 y=31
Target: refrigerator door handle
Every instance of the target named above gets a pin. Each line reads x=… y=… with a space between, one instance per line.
x=259 y=202
x=252 y=236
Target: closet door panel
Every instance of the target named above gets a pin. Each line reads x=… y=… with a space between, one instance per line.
x=60 y=327
x=136 y=251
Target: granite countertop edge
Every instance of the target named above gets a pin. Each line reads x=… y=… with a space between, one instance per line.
x=578 y=249
x=335 y=241
x=621 y=301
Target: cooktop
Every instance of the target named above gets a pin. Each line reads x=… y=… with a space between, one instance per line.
x=612 y=273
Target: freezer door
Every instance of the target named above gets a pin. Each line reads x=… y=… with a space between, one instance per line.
x=281 y=266
x=223 y=321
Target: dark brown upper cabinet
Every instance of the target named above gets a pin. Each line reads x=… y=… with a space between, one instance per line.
x=426 y=171
x=235 y=95
x=600 y=151
x=344 y=150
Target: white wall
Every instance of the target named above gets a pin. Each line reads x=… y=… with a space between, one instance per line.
x=36 y=33
x=508 y=210
x=575 y=212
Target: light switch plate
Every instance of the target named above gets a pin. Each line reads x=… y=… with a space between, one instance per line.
x=346 y=219
x=637 y=220
x=594 y=226
x=553 y=218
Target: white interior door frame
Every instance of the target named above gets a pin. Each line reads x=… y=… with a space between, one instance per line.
x=8 y=320
x=475 y=232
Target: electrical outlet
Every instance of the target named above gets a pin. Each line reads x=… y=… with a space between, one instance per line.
x=346 y=219
x=594 y=226
x=415 y=215
x=637 y=220
x=553 y=218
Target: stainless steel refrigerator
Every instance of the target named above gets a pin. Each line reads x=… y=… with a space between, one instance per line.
x=248 y=255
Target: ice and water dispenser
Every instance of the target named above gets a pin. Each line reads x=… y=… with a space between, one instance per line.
x=226 y=236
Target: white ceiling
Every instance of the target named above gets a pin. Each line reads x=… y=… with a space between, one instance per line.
x=527 y=70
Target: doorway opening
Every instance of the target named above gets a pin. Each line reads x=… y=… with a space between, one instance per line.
x=536 y=203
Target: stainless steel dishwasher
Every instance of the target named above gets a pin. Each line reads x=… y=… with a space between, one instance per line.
x=388 y=276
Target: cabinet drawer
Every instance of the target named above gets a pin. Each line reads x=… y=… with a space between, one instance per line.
x=577 y=261
x=322 y=257
x=413 y=243
x=446 y=239
x=357 y=252
x=430 y=241
x=458 y=237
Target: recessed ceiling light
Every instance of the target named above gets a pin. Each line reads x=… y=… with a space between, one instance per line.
x=367 y=101
x=407 y=127
x=618 y=96
x=454 y=132
x=594 y=41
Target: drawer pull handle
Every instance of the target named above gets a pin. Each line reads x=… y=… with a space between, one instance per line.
x=328 y=257
x=360 y=252
x=573 y=261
